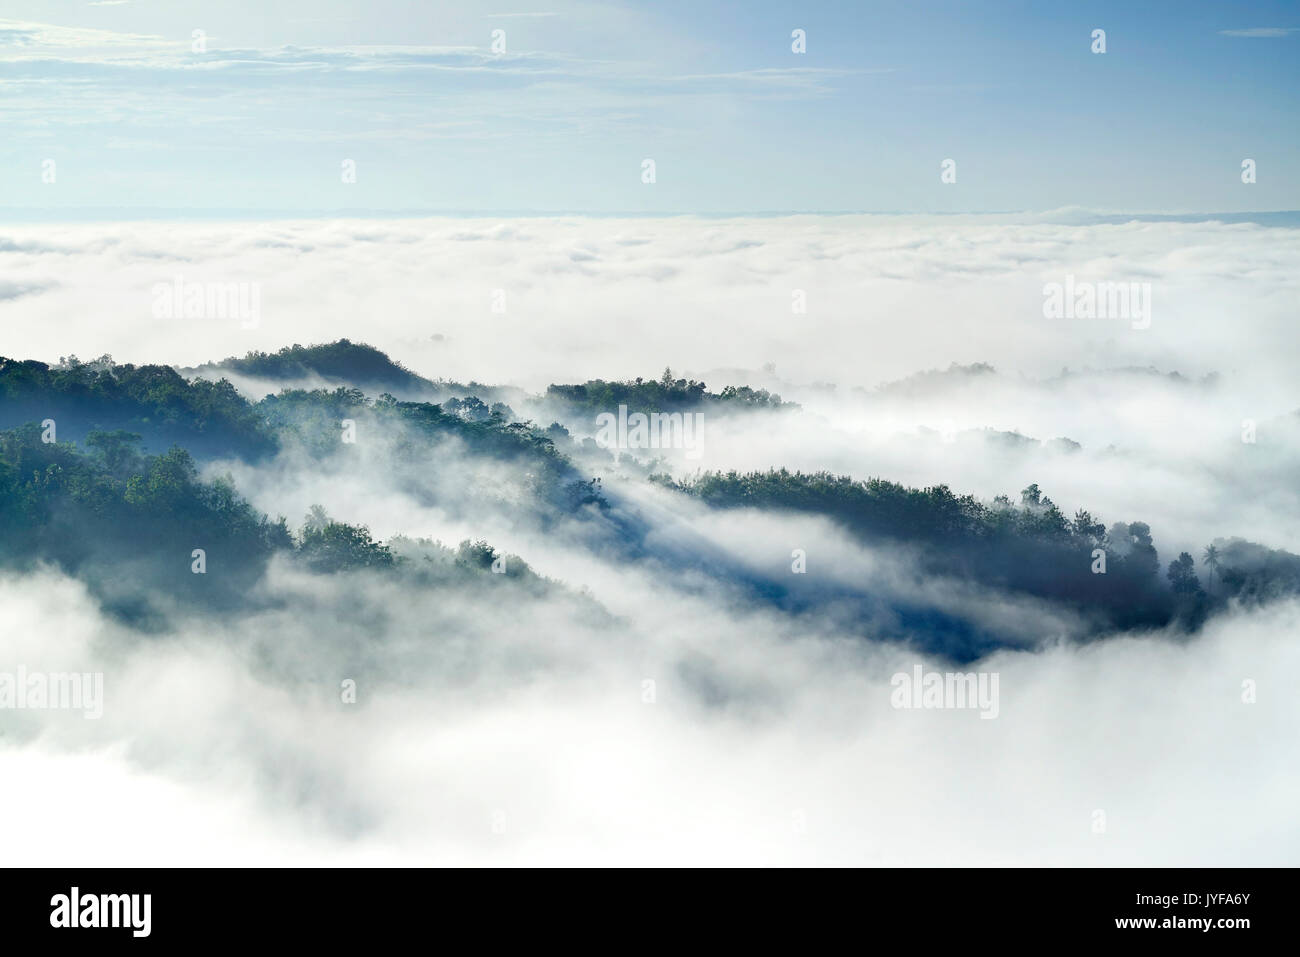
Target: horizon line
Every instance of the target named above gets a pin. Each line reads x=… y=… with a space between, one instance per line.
x=100 y=214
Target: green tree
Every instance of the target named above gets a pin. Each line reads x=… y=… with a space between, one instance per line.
x=478 y=554
x=1182 y=575
x=1211 y=559
x=118 y=448
x=329 y=546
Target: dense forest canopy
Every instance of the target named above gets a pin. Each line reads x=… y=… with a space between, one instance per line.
x=154 y=400
x=665 y=394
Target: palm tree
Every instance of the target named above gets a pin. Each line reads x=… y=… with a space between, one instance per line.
x=1211 y=559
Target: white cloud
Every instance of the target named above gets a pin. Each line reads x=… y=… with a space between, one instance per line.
x=1260 y=32
x=760 y=748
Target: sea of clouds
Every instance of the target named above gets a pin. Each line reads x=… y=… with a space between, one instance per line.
x=519 y=731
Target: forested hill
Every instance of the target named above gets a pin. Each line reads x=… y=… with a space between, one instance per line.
x=142 y=531
x=1026 y=546
x=339 y=363
x=207 y=415
x=208 y=418
x=668 y=393
x=212 y=419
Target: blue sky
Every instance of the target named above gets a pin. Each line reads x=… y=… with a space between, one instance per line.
x=711 y=91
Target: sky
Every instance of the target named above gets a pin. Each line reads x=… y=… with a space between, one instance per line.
x=280 y=95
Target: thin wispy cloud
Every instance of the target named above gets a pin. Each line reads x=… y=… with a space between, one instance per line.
x=1260 y=32
x=656 y=81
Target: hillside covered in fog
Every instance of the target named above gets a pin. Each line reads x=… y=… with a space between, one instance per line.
x=117 y=473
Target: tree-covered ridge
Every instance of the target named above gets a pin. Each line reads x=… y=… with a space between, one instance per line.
x=1250 y=572
x=1028 y=546
x=931 y=381
x=666 y=394
x=877 y=507
x=153 y=400
x=353 y=363
x=127 y=521
x=133 y=524
x=313 y=419
x=357 y=365
x=211 y=419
